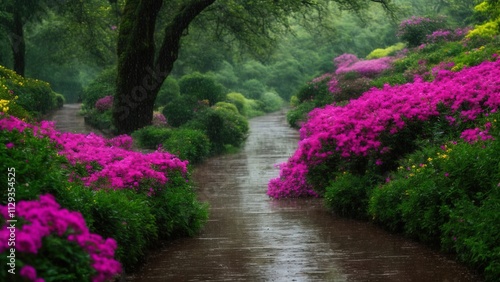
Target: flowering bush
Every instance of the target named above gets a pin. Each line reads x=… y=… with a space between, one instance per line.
x=350 y=63
x=108 y=163
x=33 y=95
x=104 y=103
x=49 y=233
x=444 y=35
x=368 y=127
x=415 y=29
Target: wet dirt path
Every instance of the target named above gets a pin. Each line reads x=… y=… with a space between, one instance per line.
x=68 y=119
x=250 y=237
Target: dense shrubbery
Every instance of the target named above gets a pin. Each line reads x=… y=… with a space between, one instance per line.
x=189 y=144
x=417 y=155
x=136 y=199
x=201 y=87
x=414 y=30
x=33 y=97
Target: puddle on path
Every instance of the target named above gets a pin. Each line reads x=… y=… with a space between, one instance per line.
x=250 y=237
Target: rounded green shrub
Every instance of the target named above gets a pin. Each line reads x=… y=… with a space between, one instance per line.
x=189 y=144
x=238 y=100
x=150 y=137
x=201 y=87
x=180 y=110
x=271 y=102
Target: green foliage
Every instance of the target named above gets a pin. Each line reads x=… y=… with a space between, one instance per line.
x=37 y=165
x=128 y=218
x=315 y=91
x=447 y=196
x=177 y=210
x=384 y=52
x=390 y=78
x=59 y=100
x=227 y=106
x=472 y=233
x=298 y=114
x=103 y=85
x=222 y=126
x=201 y=87
x=189 y=144
x=271 y=102
x=150 y=137
x=253 y=89
x=348 y=194
x=99 y=120
x=33 y=95
x=180 y=110
x=238 y=100
x=169 y=91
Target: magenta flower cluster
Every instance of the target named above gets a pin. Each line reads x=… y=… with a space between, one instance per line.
x=45 y=218
x=350 y=63
x=444 y=35
x=355 y=129
x=109 y=162
x=104 y=103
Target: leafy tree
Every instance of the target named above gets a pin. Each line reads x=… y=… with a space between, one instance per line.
x=142 y=67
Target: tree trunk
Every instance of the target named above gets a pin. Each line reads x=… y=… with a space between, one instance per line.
x=17 y=43
x=139 y=75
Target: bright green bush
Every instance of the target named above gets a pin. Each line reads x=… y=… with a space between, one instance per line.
x=271 y=102
x=227 y=106
x=150 y=137
x=384 y=52
x=238 y=100
x=201 y=87
x=189 y=144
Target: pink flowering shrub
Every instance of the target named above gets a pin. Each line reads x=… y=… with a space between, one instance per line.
x=366 y=130
x=415 y=29
x=445 y=35
x=350 y=63
x=108 y=163
x=48 y=232
x=104 y=103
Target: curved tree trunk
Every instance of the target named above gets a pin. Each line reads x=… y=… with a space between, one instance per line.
x=140 y=76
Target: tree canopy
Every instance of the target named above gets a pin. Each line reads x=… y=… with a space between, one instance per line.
x=142 y=67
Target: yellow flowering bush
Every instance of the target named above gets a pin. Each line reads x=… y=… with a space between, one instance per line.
x=31 y=95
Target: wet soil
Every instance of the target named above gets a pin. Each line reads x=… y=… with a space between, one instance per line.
x=250 y=237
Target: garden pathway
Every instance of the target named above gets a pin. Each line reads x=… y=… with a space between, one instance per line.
x=250 y=237
x=68 y=119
